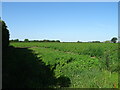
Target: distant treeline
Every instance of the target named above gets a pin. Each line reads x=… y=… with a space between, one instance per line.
x=6 y=35
x=27 y=40
x=90 y=42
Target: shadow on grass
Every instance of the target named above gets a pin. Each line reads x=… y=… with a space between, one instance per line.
x=23 y=69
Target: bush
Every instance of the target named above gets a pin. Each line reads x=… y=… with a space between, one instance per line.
x=26 y=40
x=5 y=35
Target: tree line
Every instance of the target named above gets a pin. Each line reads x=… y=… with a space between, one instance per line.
x=6 y=35
x=113 y=40
x=27 y=40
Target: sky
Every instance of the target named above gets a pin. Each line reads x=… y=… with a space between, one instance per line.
x=64 y=21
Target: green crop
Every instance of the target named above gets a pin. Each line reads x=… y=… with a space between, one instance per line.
x=87 y=65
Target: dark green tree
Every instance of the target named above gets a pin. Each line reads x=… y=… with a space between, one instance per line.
x=114 y=40
x=57 y=40
x=95 y=41
x=26 y=40
x=52 y=40
x=5 y=35
x=16 y=40
x=79 y=41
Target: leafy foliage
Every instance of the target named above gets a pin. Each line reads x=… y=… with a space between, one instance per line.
x=114 y=39
x=26 y=40
x=85 y=64
x=22 y=68
x=5 y=35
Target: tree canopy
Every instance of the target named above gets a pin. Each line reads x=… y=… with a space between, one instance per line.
x=5 y=34
x=26 y=40
x=114 y=40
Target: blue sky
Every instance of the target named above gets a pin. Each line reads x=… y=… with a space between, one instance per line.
x=64 y=21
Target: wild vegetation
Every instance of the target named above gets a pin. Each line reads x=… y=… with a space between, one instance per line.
x=59 y=65
x=87 y=65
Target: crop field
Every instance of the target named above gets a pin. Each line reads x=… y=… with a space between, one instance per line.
x=77 y=65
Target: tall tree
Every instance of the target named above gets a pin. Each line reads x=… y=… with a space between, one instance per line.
x=114 y=40
x=16 y=40
x=26 y=40
x=5 y=34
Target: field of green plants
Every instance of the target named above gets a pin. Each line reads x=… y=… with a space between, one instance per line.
x=86 y=65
